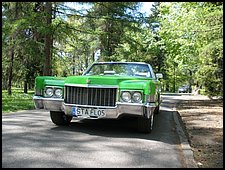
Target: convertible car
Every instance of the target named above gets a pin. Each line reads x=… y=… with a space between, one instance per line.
x=106 y=90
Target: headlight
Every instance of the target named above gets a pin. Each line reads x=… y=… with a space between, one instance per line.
x=126 y=96
x=137 y=97
x=58 y=93
x=49 y=92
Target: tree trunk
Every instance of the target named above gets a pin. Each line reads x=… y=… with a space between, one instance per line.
x=12 y=54
x=48 y=41
x=25 y=86
x=30 y=86
x=74 y=71
x=4 y=82
x=10 y=71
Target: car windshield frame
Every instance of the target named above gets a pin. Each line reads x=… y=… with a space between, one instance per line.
x=120 y=69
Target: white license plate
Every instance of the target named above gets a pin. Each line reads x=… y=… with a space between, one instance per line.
x=82 y=112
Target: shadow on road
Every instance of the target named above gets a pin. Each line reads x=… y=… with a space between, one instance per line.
x=30 y=139
x=163 y=128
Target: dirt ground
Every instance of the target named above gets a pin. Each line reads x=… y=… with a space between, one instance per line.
x=203 y=120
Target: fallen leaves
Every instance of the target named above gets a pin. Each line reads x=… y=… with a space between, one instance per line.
x=203 y=120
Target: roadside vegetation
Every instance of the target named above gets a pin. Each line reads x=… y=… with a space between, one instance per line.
x=182 y=40
x=17 y=101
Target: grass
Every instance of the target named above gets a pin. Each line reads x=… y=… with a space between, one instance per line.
x=17 y=101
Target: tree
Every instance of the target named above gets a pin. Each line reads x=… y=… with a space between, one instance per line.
x=10 y=7
x=188 y=34
x=48 y=40
x=110 y=21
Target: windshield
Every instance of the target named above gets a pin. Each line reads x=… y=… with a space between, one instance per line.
x=119 y=69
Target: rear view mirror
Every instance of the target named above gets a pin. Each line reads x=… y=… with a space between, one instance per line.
x=159 y=75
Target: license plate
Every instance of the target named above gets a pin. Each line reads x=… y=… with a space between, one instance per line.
x=82 y=112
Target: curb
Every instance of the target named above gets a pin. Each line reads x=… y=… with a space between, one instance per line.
x=187 y=151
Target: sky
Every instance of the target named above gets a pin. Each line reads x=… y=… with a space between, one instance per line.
x=145 y=8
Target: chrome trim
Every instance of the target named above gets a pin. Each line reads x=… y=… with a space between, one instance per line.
x=150 y=98
x=38 y=102
x=127 y=103
x=91 y=106
x=90 y=96
x=91 y=85
x=113 y=113
x=134 y=109
x=53 y=104
x=117 y=103
x=53 y=99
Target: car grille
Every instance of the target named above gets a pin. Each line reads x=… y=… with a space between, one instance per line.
x=90 y=96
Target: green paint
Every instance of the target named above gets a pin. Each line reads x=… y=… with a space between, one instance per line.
x=54 y=83
x=148 y=85
x=130 y=83
x=41 y=81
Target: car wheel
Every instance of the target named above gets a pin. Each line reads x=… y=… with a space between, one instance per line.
x=145 y=124
x=60 y=118
x=156 y=111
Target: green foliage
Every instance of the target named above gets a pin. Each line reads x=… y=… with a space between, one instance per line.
x=187 y=34
x=21 y=37
x=17 y=101
x=211 y=73
x=192 y=34
x=110 y=23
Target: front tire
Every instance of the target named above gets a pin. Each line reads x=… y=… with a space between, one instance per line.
x=60 y=118
x=145 y=125
x=156 y=111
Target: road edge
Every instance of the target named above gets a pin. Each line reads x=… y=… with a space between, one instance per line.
x=186 y=148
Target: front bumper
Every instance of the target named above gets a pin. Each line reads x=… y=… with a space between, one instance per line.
x=53 y=104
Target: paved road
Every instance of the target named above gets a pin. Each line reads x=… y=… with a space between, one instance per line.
x=31 y=140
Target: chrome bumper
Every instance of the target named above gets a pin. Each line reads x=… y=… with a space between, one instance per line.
x=52 y=104
x=134 y=109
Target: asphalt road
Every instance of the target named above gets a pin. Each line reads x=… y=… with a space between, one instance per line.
x=31 y=140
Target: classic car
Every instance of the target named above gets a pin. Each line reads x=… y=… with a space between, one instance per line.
x=184 y=89
x=106 y=90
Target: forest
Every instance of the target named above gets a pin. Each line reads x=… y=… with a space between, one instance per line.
x=181 y=40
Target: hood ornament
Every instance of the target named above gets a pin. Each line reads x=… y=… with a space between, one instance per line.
x=88 y=81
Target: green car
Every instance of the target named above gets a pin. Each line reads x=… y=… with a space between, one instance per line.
x=106 y=90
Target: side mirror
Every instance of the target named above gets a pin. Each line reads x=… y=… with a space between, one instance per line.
x=159 y=75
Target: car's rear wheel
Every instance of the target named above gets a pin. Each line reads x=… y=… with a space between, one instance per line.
x=145 y=125
x=60 y=118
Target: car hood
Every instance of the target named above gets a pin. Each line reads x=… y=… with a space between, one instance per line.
x=41 y=81
x=137 y=83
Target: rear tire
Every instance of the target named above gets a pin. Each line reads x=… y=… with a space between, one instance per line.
x=60 y=118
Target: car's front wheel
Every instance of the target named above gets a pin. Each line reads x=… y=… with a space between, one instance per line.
x=60 y=118
x=145 y=124
x=156 y=111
